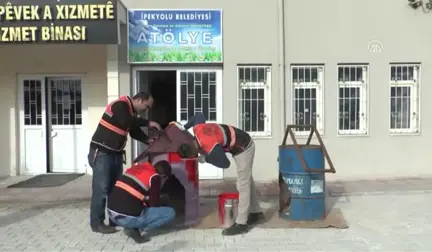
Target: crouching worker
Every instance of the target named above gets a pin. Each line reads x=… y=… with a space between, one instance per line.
x=134 y=201
x=213 y=141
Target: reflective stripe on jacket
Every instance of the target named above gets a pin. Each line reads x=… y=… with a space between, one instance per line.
x=141 y=174
x=110 y=134
x=109 y=112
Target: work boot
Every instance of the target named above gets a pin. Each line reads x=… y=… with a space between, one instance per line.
x=135 y=235
x=103 y=229
x=255 y=218
x=235 y=229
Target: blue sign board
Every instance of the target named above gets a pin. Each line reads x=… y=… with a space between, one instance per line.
x=174 y=36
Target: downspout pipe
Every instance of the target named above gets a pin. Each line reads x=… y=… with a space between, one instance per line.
x=282 y=68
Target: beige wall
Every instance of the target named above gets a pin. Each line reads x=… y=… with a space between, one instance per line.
x=42 y=59
x=250 y=36
x=124 y=70
x=339 y=31
x=327 y=32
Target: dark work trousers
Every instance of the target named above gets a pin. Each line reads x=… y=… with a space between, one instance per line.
x=107 y=168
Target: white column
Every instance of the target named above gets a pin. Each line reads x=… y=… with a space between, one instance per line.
x=113 y=80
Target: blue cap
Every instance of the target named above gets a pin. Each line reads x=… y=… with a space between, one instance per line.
x=196 y=119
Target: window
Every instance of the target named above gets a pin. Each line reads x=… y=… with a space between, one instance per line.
x=308 y=97
x=352 y=99
x=66 y=106
x=404 y=98
x=255 y=100
x=32 y=102
x=198 y=94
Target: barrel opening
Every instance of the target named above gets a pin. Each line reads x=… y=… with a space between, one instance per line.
x=229 y=196
x=301 y=146
x=176 y=193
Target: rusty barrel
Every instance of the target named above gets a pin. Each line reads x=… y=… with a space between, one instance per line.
x=307 y=188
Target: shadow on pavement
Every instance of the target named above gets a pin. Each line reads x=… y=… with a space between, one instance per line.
x=271 y=204
x=172 y=246
x=333 y=200
x=380 y=187
x=29 y=211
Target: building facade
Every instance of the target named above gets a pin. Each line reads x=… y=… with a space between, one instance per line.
x=357 y=70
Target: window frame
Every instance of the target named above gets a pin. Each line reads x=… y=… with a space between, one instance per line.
x=50 y=81
x=364 y=100
x=414 y=86
x=267 y=87
x=319 y=87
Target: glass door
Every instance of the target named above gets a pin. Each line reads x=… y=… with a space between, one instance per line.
x=200 y=91
x=65 y=125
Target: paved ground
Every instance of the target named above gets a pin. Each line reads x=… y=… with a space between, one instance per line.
x=391 y=221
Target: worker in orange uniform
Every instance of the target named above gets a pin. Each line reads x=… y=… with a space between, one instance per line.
x=106 y=155
x=213 y=141
x=134 y=202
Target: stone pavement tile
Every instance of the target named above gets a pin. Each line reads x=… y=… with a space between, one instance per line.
x=245 y=249
x=10 y=247
x=377 y=223
x=96 y=250
x=80 y=189
x=275 y=248
x=66 y=249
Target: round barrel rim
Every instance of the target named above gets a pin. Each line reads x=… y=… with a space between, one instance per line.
x=301 y=146
x=229 y=196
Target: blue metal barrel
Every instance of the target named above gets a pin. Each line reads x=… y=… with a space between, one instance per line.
x=308 y=201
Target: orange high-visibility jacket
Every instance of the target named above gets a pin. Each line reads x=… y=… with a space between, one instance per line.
x=110 y=133
x=142 y=174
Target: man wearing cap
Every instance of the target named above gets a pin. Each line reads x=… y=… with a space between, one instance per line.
x=213 y=141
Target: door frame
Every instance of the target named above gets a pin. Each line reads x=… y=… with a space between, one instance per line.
x=219 y=90
x=20 y=112
x=20 y=95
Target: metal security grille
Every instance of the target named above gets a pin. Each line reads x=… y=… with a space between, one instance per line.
x=198 y=94
x=352 y=99
x=404 y=101
x=254 y=99
x=66 y=102
x=308 y=109
x=32 y=102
